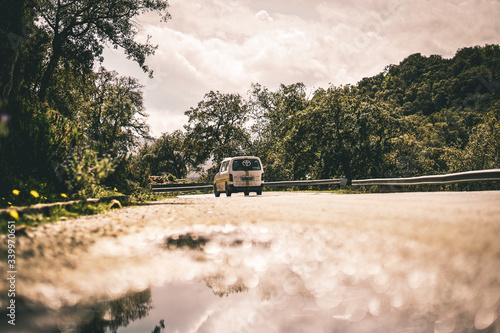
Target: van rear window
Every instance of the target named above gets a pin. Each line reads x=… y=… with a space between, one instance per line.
x=246 y=165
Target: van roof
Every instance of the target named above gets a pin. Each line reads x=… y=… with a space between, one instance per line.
x=239 y=157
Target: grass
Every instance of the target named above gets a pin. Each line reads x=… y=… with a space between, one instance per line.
x=315 y=189
x=339 y=191
x=39 y=217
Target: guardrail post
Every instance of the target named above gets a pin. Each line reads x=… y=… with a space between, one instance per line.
x=343 y=182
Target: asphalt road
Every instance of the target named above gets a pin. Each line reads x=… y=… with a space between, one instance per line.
x=281 y=262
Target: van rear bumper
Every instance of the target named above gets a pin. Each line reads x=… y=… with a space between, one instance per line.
x=235 y=189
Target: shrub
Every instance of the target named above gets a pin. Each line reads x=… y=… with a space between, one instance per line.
x=84 y=170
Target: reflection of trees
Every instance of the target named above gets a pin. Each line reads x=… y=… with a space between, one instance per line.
x=194 y=242
x=110 y=315
x=220 y=289
x=160 y=327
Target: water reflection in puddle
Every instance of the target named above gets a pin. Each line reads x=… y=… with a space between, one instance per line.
x=249 y=279
x=192 y=307
x=196 y=307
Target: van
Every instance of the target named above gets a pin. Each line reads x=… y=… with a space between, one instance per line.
x=239 y=174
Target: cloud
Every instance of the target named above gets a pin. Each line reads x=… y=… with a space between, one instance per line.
x=264 y=16
x=227 y=45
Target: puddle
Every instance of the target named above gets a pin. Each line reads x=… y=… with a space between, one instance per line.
x=265 y=279
x=198 y=307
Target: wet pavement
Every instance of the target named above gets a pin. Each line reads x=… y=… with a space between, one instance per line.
x=281 y=262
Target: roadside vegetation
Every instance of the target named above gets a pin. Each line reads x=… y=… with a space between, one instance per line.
x=39 y=214
x=38 y=217
x=424 y=116
x=70 y=129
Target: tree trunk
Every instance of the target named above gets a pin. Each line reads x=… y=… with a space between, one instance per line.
x=12 y=25
x=51 y=67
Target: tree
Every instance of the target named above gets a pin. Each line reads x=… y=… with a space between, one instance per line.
x=107 y=107
x=337 y=133
x=12 y=35
x=81 y=29
x=166 y=156
x=216 y=128
x=50 y=97
x=115 y=115
x=276 y=120
x=483 y=148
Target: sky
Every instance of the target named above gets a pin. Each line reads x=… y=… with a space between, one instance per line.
x=226 y=45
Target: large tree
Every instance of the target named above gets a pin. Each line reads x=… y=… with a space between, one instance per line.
x=49 y=49
x=79 y=29
x=278 y=132
x=113 y=113
x=216 y=127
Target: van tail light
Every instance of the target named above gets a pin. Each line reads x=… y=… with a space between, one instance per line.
x=230 y=177
x=262 y=177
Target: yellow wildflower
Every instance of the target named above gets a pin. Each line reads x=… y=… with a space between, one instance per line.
x=14 y=214
x=116 y=190
x=64 y=195
x=16 y=192
x=35 y=194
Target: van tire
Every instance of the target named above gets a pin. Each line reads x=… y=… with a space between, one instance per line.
x=259 y=192
x=228 y=191
x=217 y=193
x=247 y=194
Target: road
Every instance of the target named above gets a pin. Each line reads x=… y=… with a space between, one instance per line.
x=280 y=262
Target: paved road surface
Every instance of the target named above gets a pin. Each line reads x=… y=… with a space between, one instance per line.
x=281 y=262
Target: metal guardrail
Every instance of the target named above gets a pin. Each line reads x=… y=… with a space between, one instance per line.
x=182 y=188
x=469 y=176
x=341 y=181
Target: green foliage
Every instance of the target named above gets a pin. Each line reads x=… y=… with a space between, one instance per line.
x=427 y=115
x=79 y=30
x=51 y=98
x=216 y=128
x=85 y=169
x=280 y=133
x=166 y=155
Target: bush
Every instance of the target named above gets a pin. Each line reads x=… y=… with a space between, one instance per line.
x=84 y=170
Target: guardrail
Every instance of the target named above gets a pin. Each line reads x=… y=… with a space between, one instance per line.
x=469 y=176
x=340 y=181
x=181 y=188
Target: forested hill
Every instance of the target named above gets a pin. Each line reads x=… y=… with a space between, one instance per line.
x=427 y=115
x=426 y=85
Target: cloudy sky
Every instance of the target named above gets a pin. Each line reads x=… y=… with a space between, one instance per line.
x=227 y=45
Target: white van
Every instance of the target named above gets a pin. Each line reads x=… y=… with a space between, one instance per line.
x=239 y=174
